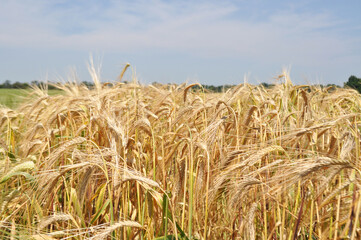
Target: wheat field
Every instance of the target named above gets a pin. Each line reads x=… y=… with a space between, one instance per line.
x=129 y=161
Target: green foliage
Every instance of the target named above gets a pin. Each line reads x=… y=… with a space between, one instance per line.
x=267 y=85
x=354 y=82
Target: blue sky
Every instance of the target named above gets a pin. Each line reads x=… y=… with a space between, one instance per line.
x=212 y=42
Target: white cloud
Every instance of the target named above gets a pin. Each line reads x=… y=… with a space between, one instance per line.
x=205 y=29
x=200 y=28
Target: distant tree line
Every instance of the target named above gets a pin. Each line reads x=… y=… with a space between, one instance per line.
x=224 y=88
x=18 y=85
x=353 y=82
x=211 y=88
x=8 y=84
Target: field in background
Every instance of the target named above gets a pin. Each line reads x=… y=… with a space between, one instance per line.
x=12 y=98
x=171 y=162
